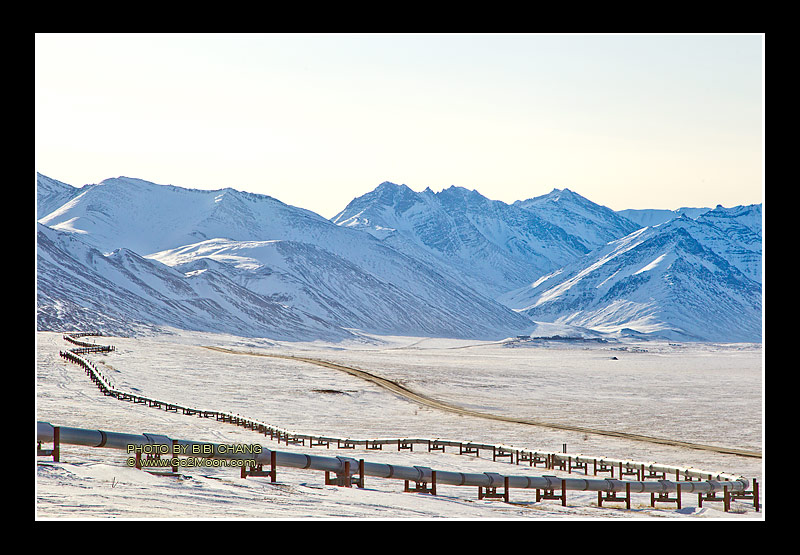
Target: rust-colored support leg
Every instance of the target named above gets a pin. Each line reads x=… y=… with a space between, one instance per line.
x=756 y=504
x=57 y=443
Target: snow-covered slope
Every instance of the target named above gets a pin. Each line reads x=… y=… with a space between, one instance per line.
x=52 y=194
x=400 y=292
x=130 y=253
x=495 y=246
x=146 y=217
x=649 y=216
x=594 y=225
x=80 y=288
x=662 y=280
x=741 y=245
x=319 y=282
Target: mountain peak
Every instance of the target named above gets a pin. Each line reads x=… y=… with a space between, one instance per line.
x=123 y=180
x=390 y=193
x=463 y=192
x=563 y=194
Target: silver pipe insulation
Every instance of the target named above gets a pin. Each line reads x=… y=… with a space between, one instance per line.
x=117 y=440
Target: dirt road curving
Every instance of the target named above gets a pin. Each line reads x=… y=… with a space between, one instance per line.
x=433 y=403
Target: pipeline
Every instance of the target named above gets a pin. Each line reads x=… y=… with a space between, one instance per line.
x=626 y=466
x=341 y=465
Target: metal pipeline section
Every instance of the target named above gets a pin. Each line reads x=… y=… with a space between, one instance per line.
x=420 y=474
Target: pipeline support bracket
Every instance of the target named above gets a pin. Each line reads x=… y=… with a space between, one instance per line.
x=664 y=497
x=613 y=497
x=550 y=493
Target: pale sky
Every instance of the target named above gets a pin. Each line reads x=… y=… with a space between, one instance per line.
x=314 y=120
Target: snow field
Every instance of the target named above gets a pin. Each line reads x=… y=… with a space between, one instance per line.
x=707 y=394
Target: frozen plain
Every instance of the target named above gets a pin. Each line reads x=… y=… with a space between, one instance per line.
x=703 y=393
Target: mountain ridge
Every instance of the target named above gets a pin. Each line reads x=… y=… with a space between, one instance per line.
x=393 y=262
x=149 y=219
x=659 y=280
x=495 y=246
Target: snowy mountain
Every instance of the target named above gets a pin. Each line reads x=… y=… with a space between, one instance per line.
x=80 y=288
x=126 y=255
x=741 y=241
x=662 y=280
x=493 y=245
x=357 y=279
x=649 y=216
x=145 y=217
x=52 y=194
x=319 y=282
x=592 y=224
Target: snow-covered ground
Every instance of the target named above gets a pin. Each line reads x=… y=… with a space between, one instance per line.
x=703 y=393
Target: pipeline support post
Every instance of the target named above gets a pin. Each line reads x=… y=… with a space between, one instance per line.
x=360 y=480
x=612 y=496
x=174 y=456
x=629 y=472
x=344 y=479
x=578 y=465
x=712 y=497
x=663 y=497
x=751 y=494
x=536 y=460
x=421 y=486
x=435 y=446
x=491 y=492
x=500 y=452
x=653 y=474
x=550 y=493
x=603 y=468
x=259 y=469
x=54 y=452
x=56 y=443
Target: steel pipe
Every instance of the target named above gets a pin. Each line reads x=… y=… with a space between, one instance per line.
x=117 y=440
